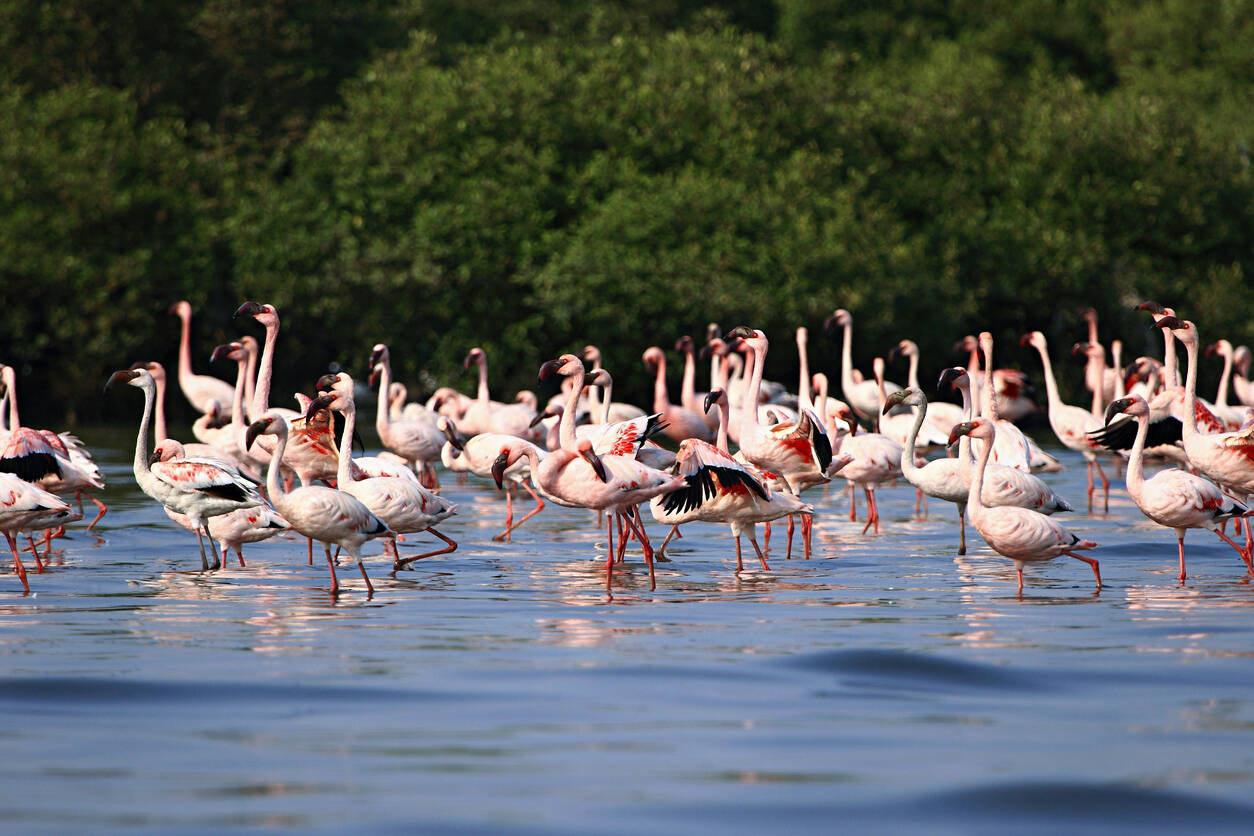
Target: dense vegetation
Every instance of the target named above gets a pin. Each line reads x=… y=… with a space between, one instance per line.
x=532 y=176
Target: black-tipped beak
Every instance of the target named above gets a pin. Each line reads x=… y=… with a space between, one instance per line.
x=549 y=368
x=959 y=431
x=743 y=332
x=1169 y=322
x=220 y=351
x=1152 y=307
x=1116 y=407
x=1025 y=339
x=454 y=437
x=375 y=358
x=1079 y=348
x=712 y=398
x=683 y=344
x=598 y=467
x=372 y=379
x=894 y=400
x=124 y=376
x=255 y=429
x=470 y=358
x=248 y=309
x=498 y=469
x=327 y=382
x=947 y=376
x=318 y=404
x=540 y=416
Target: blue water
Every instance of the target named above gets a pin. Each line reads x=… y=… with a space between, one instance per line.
x=886 y=684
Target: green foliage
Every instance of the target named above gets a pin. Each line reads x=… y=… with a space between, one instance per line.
x=532 y=177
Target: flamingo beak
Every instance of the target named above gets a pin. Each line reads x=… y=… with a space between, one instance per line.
x=947 y=376
x=124 y=376
x=454 y=438
x=894 y=399
x=498 y=469
x=549 y=369
x=829 y=323
x=220 y=351
x=318 y=404
x=255 y=429
x=598 y=467
x=248 y=309
x=1152 y=307
x=1169 y=322
x=1025 y=339
x=712 y=398
x=1115 y=408
x=959 y=431
x=327 y=382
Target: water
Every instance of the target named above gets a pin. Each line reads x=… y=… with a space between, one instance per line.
x=884 y=684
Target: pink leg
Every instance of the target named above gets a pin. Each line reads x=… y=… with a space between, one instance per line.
x=807 y=527
x=1105 y=487
x=366 y=578
x=648 y=549
x=674 y=532
x=1244 y=552
x=761 y=557
x=1089 y=464
x=539 y=507
x=962 y=529
x=740 y=566
x=17 y=561
x=853 y=507
x=335 y=582
x=622 y=538
x=310 y=540
x=34 y=550
x=1090 y=561
x=1180 y=547
x=509 y=514
x=791 y=527
x=239 y=554
x=870 y=511
x=767 y=539
x=609 y=552
x=103 y=508
x=451 y=547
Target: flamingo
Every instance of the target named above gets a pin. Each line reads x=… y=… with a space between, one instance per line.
x=798 y=452
x=405 y=506
x=875 y=459
x=1175 y=498
x=722 y=489
x=199 y=389
x=1023 y=536
x=1100 y=380
x=1227 y=458
x=863 y=396
x=1242 y=387
x=26 y=507
x=232 y=530
x=680 y=422
x=486 y=415
x=418 y=442
x=689 y=397
x=320 y=513
x=1071 y=423
x=614 y=410
x=199 y=488
x=55 y=462
x=899 y=427
x=477 y=454
x=941 y=415
x=1232 y=416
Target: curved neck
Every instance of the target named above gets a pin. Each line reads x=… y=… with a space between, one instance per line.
x=261 y=395
x=250 y=378
x=688 y=386
x=185 y=347
x=1171 y=366
x=724 y=417
x=1136 y=469
x=846 y=361
x=237 y=397
x=141 y=466
x=803 y=385
x=1189 y=428
x=1116 y=358
x=1221 y=397
x=975 y=502
x=968 y=414
x=159 y=416
x=908 y=468
x=383 y=418
x=661 y=401
x=274 y=485
x=1051 y=386
x=566 y=424
x=603 y=409
x=988 y=401
x=482 y=395
x=343 y=471
x=756 y=359
x=1099 y=383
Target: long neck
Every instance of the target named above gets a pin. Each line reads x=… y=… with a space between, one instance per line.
x=1190 y=394
x=1099 y=381
x=908 y=467
x=261 y=396
x=566 y=425
x=159 y=416
x=1136 y=469
x=603 y=410
x=803 y=385
x=382 y=418
x=142 y=469
x=343 y=472
x=1116 y=357
x=912 y=375
x=237 y=397
x=724 y=417
x=1051 y=386
x=688 y=386
x=718 y=373
x=1171 y=366
x=1221 y=397
x=968 y=410
x=846 y=361
x=661 y=401
x=185 y=347
x=756 y=359
x=975 y=501
x=250 y=378
x=988 y=401
x=274 y=485
x=15 y=423
x=482 y=395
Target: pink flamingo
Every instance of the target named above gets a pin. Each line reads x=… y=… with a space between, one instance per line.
x=477 y=454
x=199 y=389
x=680 y=422
x=418 y=442
x=25 y=507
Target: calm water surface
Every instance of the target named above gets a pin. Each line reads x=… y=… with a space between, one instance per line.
x=884 y=684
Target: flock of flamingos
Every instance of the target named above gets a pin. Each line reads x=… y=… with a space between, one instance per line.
x=238 y=483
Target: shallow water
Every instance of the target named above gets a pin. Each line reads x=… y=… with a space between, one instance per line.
x=884 y=684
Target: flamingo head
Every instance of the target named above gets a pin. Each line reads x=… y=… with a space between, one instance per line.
x=846 y=414
x=591 y=354
x=154 y=368
x=1221 y=347
x=977 y=428
x=182 y=309
x=566 y=365
x=803 y=335
x=1153 y=307
x=166 y=450
x=587 y=454
x=504 y=459
x=550 y=411
x=133 y=377
x=1131 y=405
x=319 y=405
x=397 y=392
x=715 y=397
x=685 y=345
x=951 y=376
x=1091 y=351
x=877 y=368
x=476 y=355
x=908 y=396
x=967 y=344
x=712 y=331
x=714 y=346
x=1183 y=330
x=599 y=377
x=1035 y=339
x=905 y=348
x=265 y=314
x=233 y=350
x=841 y=318
x=269 y=424
x=337 y=382
x=654 y=358
x=1089 y=314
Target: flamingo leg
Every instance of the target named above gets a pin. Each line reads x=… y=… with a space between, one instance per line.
x=451 y=547
x=335 y=582
x=622 y=538
x=34 y=550
x=870 y=511
x=761 y=557
x=17 y=561
x=853 y=506
x=646 y=546
x=1105 y=487
x=791 y=527
x=1089 y=466
x=366 y=578
x=239 y=554
x=539 y=507
x=1019 y=572
x=310 y=541
x=609 y=551
x=767 y=538
x=204 y=561
x=674 y=532
x=103 y=508
x=1090 y=561
x=1180 y=547
x=962 y=529
x=740 y=565
x=1245 y=554
x=509 y=515
x=807 y=528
